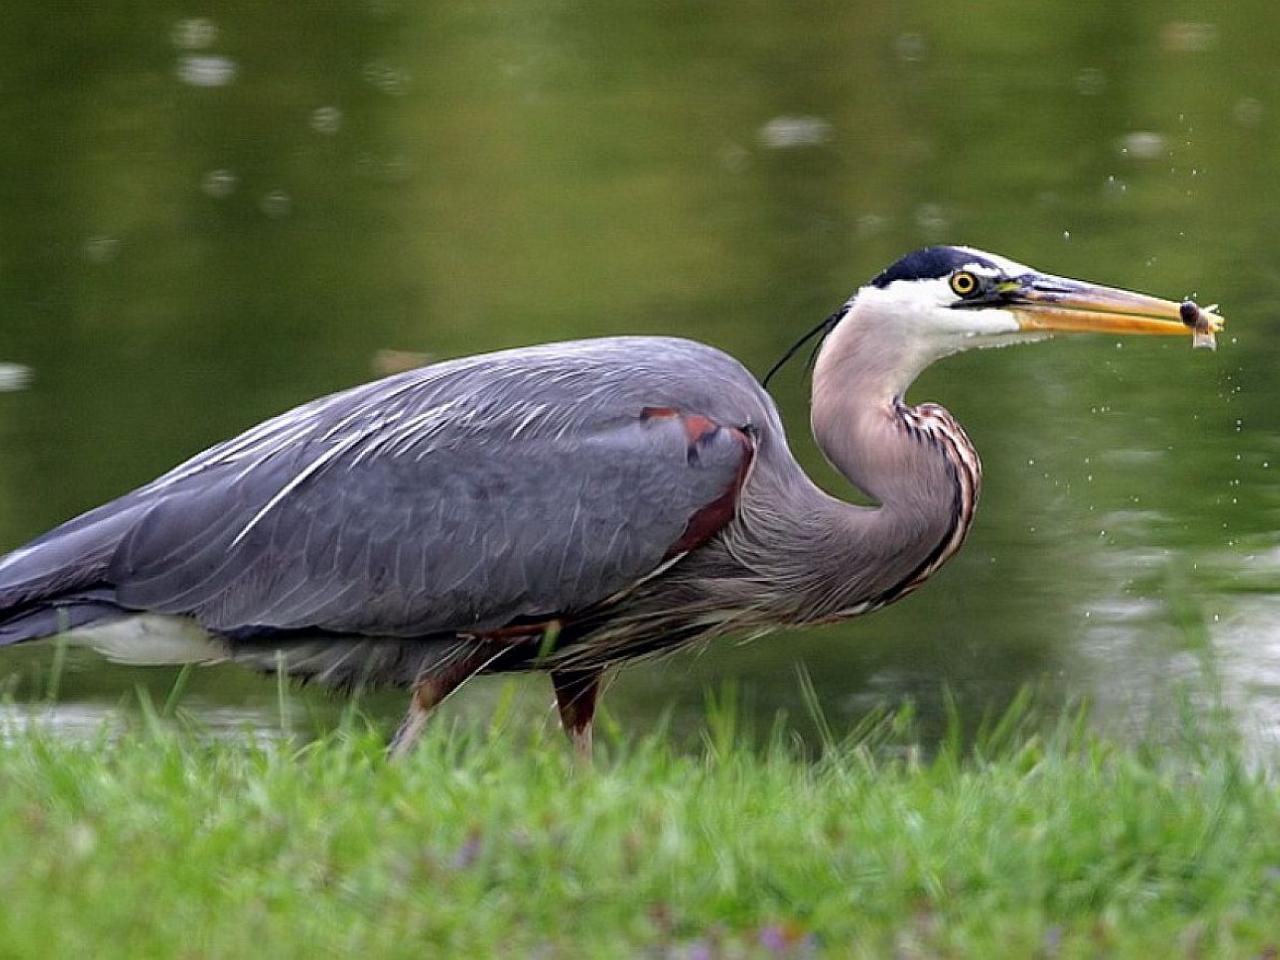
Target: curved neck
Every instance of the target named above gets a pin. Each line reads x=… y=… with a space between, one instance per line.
x=796 y=554
x=916 y=463
x=868 y=433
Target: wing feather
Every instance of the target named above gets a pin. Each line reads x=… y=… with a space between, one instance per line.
x=529 y=487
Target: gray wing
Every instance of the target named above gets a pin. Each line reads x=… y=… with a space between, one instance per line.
x=462 y=496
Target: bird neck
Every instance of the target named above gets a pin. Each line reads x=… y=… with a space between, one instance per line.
x=915 y=462
x=903 y=457
x=865 y=428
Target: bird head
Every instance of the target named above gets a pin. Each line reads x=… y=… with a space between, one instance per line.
x=943 y=300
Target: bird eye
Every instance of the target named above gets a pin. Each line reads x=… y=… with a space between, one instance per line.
x=964 y=283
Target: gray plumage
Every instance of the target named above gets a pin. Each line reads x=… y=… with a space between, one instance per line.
x=563 y=507
x=458 y=497
x=455 y=499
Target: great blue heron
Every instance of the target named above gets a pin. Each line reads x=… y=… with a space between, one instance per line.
x=563 y=508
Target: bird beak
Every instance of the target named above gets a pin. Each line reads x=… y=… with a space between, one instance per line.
x=1056 y=304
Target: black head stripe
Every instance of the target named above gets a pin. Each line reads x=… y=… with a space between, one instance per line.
x=926 y=264
x=929 y=264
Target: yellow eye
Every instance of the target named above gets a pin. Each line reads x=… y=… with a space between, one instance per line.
x=964 y=283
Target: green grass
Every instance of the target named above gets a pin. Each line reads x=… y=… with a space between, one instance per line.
x=491 y=843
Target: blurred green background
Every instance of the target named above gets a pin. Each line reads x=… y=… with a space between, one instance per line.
x=213 y=211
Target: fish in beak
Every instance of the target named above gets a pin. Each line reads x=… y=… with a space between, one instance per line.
x=1041 y=302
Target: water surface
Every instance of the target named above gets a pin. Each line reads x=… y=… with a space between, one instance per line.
x=210 y=214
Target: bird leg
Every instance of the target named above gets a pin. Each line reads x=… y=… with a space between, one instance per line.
x=431 y=688
x=576 y=695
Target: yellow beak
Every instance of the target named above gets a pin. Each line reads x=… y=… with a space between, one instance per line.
x=1056 y=304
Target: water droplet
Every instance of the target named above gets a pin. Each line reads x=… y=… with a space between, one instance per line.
x=1091 y=81
x=206 y=70
x=326 y=120
x=14 y=377
x=1247 y=111
x=219 y=184
x=932 y=220
x=870 y=225
x=1188 y=36
x=910 y=47
x=396 y=169
x=276 y=204
x=787 y=133
x=1142 y=144
x=735 y=158
x=102 y=249
x=386 y=78
x=194 y=33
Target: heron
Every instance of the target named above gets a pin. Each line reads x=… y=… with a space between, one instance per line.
x=562 y=508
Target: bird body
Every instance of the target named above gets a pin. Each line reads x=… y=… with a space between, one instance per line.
x=460 y=497
x=562 y=507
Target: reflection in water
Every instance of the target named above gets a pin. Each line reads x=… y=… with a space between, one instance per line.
x=386 y=78
x=932 y=221
x=76 y=720
x=206 y=70
x=13 y=377
x=911 y=47
x=326 y=120
x=276 y=204
x=1248 y=111
x=1091 y=81
x=1183 y=36
x=195 y=33
x=87 y=720
x=1142 y=145
x=785 y=133
x=213 y=223
x=102 y=249
x=219 y=184
x=1247 y=644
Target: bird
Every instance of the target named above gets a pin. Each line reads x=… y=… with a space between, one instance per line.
x=562 y=508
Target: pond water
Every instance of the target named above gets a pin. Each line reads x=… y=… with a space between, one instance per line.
x=211 y=213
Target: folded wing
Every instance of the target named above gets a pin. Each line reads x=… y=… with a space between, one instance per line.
x=460 y=497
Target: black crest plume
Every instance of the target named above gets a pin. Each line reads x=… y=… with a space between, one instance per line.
x=820 y=331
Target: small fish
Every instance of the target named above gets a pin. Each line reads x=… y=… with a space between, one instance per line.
x=1203 y=323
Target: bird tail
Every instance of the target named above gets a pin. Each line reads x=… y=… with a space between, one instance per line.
x=66 y=612
x=58 y=582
